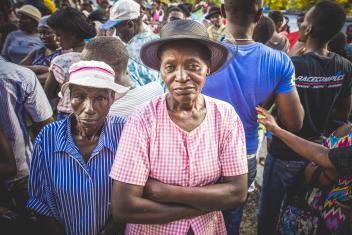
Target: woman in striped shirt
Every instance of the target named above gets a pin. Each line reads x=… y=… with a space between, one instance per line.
x=69 y=183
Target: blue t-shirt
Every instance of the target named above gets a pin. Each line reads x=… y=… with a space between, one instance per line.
x=248 y=79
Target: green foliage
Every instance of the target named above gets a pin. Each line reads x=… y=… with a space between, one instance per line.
x=303 y=4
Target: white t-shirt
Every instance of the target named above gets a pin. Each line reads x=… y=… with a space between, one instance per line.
x=134 y=98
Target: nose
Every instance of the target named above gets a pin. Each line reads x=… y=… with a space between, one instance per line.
x=89 y=106
x=181 y=75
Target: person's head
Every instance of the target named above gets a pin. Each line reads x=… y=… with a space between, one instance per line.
x=214 y=16
x=29 y=17
x=349 y=33
x=111 y=51
x=71 y=27
x=46 y=34
x=244 y=13
x=125 y=18
x=278 y=19
x=5 y=11
x=104 y=5
x=92 y=92
x=264 y=30
x=337 y=44
x=186 y=8
x=185 y=56
x=322 y=22
x=98 y=15
x=174 y=13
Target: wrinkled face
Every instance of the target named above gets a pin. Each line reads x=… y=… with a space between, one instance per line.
x=90 y=105
x=306 y=26
x=47 y=36
x=26 y=23
x=216 y=20
x=183 y=69
x=175 y=15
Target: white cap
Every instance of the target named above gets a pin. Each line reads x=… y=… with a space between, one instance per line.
x=122 y=10
x=95 y=74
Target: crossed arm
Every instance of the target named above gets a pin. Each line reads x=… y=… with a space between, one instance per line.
x=158 y=203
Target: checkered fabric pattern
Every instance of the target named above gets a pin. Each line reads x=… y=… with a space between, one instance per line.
x=60 y=67
x=152 y=145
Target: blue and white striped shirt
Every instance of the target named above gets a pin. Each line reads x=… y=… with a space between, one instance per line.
x=63 y=186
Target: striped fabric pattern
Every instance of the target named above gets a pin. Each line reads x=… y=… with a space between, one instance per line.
x=20 y=94
x=63 y=186
x=135 y=98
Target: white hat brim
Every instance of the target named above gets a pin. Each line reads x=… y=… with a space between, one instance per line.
x=96 y=83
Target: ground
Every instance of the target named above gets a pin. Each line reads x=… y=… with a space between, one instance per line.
x=249 y=221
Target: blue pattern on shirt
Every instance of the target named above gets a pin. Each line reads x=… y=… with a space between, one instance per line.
x=63 y=186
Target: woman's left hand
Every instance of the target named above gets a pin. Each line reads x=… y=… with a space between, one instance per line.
x=154 y=189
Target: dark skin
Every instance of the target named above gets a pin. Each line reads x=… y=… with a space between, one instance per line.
x=7 y=159
x=315 y=45
x=69 y=42
x=27 y=24
x=48 y=38
x=184 y=66
x=309 y=150
x=128 y=29
x=90 y=107
x=291 y=112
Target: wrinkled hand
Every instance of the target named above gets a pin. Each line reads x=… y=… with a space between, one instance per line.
x=267 y=120
x=154 y=189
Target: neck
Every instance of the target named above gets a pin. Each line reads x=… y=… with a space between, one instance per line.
x=78 y=47
x=123 y=80
x=314 y=45
x=174 y=106
x=241 y=32
x=85 y=133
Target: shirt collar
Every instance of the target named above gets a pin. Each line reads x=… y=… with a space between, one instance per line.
x=64 y=141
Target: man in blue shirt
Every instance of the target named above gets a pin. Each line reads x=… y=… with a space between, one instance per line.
x=253 y=74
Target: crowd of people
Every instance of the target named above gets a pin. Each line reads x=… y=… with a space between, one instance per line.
x=147 y=117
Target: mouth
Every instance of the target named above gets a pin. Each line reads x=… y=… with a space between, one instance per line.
x=184 y=90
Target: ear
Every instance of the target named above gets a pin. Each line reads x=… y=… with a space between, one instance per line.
x=130 y=24
x=308 y=30
x=258 y=15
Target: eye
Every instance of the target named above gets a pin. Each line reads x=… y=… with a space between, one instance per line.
x=193 y=66
x=169 y=68
x=100 y=98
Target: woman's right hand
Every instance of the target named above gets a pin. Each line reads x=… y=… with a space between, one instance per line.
x=267 y=120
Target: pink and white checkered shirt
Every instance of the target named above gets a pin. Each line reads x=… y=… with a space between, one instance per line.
x=60 y=66
x=152 y=145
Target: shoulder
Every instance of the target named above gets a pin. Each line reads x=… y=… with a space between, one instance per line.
x=16 y=72
x=51 y=131
x=150 y=88
x=114 y=120
x=221 y=108
x=66 y=59
x=148 y=112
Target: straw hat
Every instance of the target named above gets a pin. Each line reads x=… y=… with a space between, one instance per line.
x=184 y=30
x=30 y=11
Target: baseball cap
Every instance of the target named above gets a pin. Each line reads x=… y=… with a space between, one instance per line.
x=121 y=11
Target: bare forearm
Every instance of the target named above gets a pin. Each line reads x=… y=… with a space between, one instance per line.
x=144 y=211
x=231 y=193
x=51 y=226
x=311 y=151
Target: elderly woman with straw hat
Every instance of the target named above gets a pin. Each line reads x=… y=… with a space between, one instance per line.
x=182 y=157
x=69 y=183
